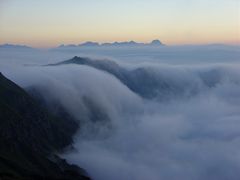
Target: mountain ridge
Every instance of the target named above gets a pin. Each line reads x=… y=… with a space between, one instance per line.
x=131 y=43
x=11 y=46
x=30 y=136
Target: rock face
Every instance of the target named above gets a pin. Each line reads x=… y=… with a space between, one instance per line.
x=29 y=135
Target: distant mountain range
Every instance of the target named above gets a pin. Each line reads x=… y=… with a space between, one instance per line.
x=11 y=46
x=114 y=44
x=88 y=44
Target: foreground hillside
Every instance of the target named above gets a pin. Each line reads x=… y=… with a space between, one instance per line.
x=29 y=135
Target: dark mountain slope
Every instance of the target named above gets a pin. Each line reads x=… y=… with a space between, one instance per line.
x=29 y=135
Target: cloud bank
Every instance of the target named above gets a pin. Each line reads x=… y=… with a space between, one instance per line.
x=192 y=134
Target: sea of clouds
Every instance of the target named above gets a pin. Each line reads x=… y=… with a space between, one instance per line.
x=193 y=134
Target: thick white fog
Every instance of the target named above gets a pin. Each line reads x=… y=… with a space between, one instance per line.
x=185 y=126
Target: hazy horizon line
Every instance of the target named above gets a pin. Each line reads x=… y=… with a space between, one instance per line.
x=101 y=43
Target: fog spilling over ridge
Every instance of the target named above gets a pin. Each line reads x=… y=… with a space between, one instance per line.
x=144 y=119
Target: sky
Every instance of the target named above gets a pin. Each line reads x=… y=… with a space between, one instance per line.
x=48 y=23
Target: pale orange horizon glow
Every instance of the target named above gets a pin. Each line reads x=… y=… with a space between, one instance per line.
x=46 y=24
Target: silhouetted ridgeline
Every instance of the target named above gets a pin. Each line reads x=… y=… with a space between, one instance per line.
x=148 y=82
x=153 y=43
x=29 y=135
